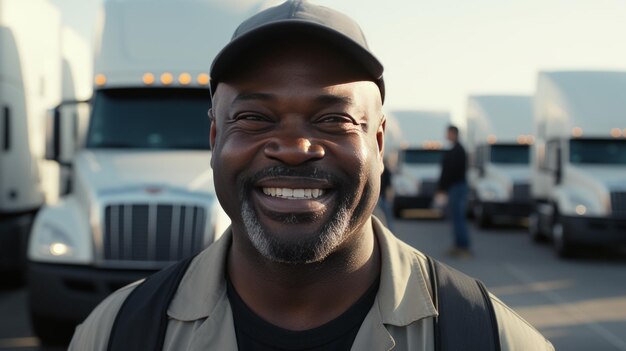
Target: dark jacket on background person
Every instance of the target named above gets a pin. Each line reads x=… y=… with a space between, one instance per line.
x=453 y=167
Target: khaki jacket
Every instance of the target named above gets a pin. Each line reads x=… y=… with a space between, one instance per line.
x=401 y=318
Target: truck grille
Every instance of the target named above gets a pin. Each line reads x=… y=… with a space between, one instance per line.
x=618 y=203
x=521 y=191
x=152 y=232
x=428 y=187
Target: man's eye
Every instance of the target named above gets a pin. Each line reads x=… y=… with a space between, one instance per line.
x=336 y=119
x=251 y=117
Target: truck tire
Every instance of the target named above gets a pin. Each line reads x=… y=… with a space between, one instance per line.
x=52 y=332
x=397 y=210
x=563 y=247
x=482 y=218
x=534 y=228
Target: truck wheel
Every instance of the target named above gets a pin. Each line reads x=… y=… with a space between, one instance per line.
x=52 y=332
x=483 y=220
x=534 y=228
x=397 y=210
x=563 y=247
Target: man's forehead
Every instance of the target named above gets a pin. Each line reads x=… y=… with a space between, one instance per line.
x=355 y=96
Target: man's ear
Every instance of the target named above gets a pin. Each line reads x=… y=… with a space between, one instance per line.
x=380 y=136
x=213 y=132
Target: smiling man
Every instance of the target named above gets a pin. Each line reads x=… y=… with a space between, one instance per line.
x=297 y=140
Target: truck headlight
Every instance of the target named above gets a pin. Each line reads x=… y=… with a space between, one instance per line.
x=491 y=193
x=53 y=242
x=580 y=205
x=405 y=186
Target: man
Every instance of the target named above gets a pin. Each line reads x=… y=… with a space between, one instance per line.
x=452 y=184
x=297 y=140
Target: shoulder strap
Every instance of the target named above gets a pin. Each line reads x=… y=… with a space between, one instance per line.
x=141 y=321
x=466 y=318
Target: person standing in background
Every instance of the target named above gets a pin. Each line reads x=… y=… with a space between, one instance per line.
x=453 y=185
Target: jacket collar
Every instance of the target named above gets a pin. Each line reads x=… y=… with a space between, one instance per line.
x=403 y=296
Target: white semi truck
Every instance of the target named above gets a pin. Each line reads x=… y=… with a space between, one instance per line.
x=419 y=142
x=141 y=194
x=39 y=66
x=498 y=137
x=579 y=159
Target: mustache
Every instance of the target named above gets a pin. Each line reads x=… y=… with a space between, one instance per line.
x=301 y=171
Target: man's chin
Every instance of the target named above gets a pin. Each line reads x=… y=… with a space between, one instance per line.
x=294 y=239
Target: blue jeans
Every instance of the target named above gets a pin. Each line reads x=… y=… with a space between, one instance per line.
x=457 y=201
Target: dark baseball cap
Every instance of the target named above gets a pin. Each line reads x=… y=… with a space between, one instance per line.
x=300 y=18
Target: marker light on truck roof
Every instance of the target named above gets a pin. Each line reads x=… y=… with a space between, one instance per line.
x=577 y=132
x=431 y=145
x=148 y=78
x=525 y=139
x=203 y=79
x=167 y=78
x=184 y=78
x=100 y=79
x=616 y=132
x=491 y=139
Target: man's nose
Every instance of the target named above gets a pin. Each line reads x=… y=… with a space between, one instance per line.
x=294 y=150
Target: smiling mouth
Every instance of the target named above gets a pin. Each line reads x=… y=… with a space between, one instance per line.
x=293 y=194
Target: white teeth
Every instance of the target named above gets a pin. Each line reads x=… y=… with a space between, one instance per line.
x=288 y=193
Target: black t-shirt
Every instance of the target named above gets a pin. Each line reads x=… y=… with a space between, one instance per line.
x=254 y=333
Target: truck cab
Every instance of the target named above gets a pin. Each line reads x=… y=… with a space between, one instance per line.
x=37 y=71
x=140 y=192
x=579 y=160
x=418 y=141
x=498 y=139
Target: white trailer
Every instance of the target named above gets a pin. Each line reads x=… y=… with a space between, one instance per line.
x=498 y=139
x=30 y=83
x=419 y=140
x=579 y=159
x=142 y=194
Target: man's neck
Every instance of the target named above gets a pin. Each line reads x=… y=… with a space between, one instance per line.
x=305 y=296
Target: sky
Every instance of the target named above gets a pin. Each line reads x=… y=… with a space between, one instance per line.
x=437 y=52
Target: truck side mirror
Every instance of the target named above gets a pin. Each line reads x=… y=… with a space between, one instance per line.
x=558 y=172
x=53 y=117
x=61 y=132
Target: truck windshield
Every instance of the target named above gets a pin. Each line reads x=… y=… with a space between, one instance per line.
x=598 y=151
x=510 y=154
x=419 y=156
x=150 y=119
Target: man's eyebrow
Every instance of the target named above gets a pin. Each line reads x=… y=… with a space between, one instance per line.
x=328 y=99
x=253 y=96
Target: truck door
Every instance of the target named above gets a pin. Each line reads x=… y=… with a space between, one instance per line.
x=19 y=174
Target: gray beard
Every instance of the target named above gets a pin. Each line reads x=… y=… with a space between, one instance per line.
x=307 y=250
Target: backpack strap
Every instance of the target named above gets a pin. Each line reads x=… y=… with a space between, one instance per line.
x=141 y=322
x=466 y=318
